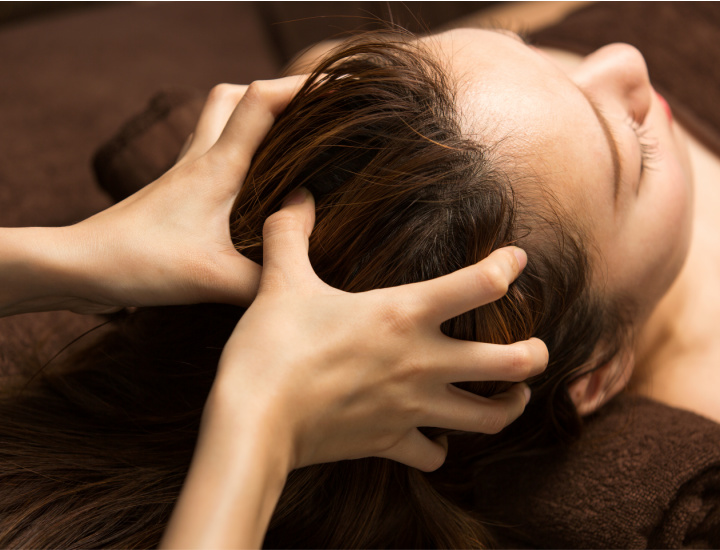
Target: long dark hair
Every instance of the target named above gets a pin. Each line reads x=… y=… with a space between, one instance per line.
x=93 y=451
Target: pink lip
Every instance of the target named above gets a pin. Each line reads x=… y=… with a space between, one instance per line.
x=665 y=105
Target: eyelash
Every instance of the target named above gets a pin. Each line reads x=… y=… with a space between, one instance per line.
x=525 y=35
x=648 y=146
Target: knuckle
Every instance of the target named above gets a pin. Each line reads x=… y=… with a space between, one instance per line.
x=280 y=222
x=413 y=410
x=257 y=91
x=395 y=318
x=221 y=92
x=493 y=280
x=493 y=422
x=628 y=53
x=406 y=374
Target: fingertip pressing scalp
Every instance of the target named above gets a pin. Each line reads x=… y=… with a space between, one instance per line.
x=521 y=257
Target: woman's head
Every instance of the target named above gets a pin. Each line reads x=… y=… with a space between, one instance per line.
x=426 y=155
x=601 y=141
x=419 y=167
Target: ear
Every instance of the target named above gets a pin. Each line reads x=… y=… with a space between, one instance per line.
x=593 y=389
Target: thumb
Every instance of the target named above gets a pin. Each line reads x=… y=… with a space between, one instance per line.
x=286 y=236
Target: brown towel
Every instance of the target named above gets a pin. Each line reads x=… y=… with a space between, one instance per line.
x=680 y=42
x=643 y=475
x=148 y=144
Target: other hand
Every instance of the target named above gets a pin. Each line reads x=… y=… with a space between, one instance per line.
x=342 y=376
x=170 y=242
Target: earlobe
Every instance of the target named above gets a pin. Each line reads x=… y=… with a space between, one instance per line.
x=592 y=390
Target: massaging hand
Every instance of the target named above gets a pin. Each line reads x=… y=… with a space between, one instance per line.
x=312 y=374
x=169 y=243
x=354 y=375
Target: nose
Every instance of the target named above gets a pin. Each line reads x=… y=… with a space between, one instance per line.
x=618 y=71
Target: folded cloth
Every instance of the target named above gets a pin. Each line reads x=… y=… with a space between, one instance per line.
x=679 y=41
x=642 y=475
x=148 y=144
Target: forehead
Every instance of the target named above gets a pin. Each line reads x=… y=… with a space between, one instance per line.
x=535 y=118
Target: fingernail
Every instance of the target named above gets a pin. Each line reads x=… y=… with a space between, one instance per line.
x=527 y=393
x=296 y=197
x=521 y=257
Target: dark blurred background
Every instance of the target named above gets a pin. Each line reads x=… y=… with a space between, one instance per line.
x=73 y=72
x=292 y=26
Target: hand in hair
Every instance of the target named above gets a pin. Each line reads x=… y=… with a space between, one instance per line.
x=356 y=374
x=312 y=374
x=169 y=243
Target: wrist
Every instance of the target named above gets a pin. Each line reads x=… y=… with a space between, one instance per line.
x=236 y=478
x=259 y=417
x=34 y=274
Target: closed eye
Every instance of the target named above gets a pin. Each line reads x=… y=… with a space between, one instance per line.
x=648 y=146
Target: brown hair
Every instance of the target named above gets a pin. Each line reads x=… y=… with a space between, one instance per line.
x=94 y=452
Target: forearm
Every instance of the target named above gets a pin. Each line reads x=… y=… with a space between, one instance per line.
x=32 y=274
x=234 y=482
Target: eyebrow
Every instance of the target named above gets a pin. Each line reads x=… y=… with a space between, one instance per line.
x=612 y=143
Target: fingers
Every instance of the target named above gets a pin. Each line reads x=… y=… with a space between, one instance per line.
x=464 y=361
x=471 y=287
x=458 y=409
x=220 y=104
x=255 y=113
x=463 y=411
x=418 y=451
x=285 y=242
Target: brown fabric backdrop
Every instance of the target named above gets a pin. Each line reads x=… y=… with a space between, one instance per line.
x=680 y=42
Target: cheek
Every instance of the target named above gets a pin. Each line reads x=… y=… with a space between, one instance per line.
x=664 y=225
x=647 y=252
x=670 y=197
x=670 y=208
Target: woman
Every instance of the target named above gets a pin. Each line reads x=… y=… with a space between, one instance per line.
x=517 y=181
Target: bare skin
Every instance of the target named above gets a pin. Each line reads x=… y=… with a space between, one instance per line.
x=677 y=353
